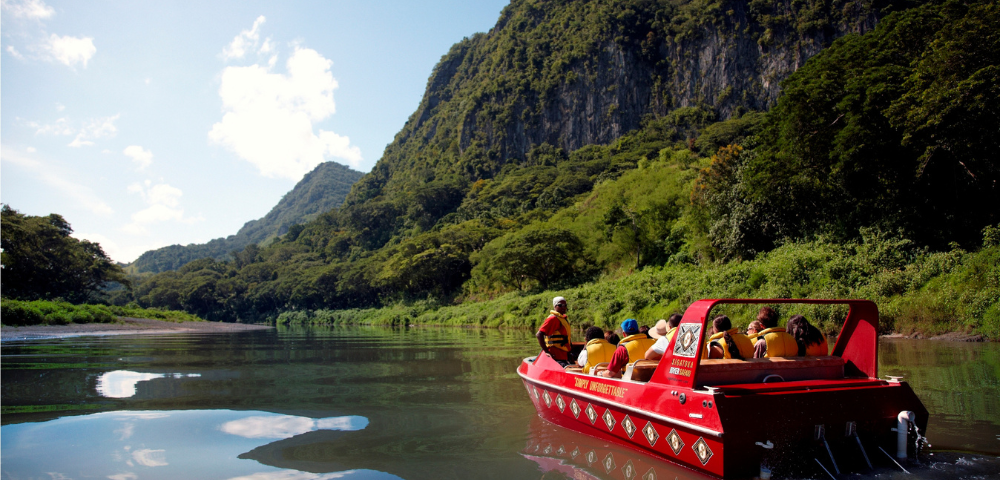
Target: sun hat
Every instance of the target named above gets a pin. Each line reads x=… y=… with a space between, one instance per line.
x=659 y=330
x=630 y=326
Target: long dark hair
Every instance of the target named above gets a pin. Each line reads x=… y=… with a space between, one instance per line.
x=722 y=325
x=804 y=333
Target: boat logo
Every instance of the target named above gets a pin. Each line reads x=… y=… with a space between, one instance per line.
x=609 y=420
x=650 y=475
x=676 y=444
x=687 y=340
x=547 y=398
x=650 y=433
x=575 y=407
x=609 y=463
x=628 y=471
x=560 y=403
x=591 y=458
x=591 y=413
x=575 y=453
x=701 y=450
x=628 y=426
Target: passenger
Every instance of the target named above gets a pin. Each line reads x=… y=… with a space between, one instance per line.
x=811 y=341
x=727 y=342
x=772 y=341
x=630 y=349
x=554 y=334
x=597 y=350
x=645 y=331
x=663 y=332
x=754 y=329
x=612 y=337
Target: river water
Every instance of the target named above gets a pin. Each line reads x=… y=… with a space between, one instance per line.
x=361 y=403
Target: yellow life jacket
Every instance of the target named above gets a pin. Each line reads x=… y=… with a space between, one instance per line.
x=818 y=349
x=742 y=342
x=636 y=345
x=599 y=350
x=670 y=334
x=779 y=343
x=560 y=340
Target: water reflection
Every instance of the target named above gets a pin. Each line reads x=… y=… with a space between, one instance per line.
x=286 y=426
x=122 y=383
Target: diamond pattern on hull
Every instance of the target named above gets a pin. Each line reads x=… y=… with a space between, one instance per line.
x=609 y=463
x=609 y=420
x=591 y=413
x=547 y=398
x=628 y=426
x=702 y=451
x=575 y=408
x=560 y=403
x=649 y=431
x=675 y=441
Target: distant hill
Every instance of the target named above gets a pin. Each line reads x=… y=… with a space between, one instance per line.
x=320 y=190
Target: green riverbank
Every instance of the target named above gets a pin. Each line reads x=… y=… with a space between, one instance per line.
x=46 y=312
x=917 y=292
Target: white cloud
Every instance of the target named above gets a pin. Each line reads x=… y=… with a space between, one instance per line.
x=30 y=150
x=269 y=117
x=82 y=195
x=150 y=458
x=297 y=475
x=121 y=383
x=163 y=206
x=59 y=127
x=31 y=9
x=124 y=476
x=246 y=40
x=139 y=155
x=14 y=53
x=287 y=426
x=93 y=129
x=70 y=50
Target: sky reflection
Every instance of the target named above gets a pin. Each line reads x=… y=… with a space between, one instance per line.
x=121 y=383
x=162 y=444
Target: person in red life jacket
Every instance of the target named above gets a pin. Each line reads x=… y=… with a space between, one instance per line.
x=630 y=349
x=811 y=341
x=663 y=332
x=553 y=335
x=773 y=341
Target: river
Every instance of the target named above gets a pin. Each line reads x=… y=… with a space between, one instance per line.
x=374 y=403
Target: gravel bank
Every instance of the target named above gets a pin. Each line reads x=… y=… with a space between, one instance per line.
x=127 y=326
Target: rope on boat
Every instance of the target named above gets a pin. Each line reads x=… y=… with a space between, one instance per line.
x=824 y=469
x=894 y=461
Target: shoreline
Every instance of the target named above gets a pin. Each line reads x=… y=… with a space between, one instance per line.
x=126 y=326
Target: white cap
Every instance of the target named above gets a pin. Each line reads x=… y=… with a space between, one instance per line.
x=555 y=301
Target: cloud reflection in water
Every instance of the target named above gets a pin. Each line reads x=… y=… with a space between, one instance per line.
x=297 y=475
x=121 y=383
x=287 y=426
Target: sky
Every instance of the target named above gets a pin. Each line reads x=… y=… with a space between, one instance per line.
x=147 y=124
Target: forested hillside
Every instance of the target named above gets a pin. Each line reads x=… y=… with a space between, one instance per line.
x=320 y=190
x=582 y=142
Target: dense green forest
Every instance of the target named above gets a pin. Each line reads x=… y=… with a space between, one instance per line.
x=872 y=175
x=320 y=190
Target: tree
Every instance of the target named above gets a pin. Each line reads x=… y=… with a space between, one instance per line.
x=40 y=260
x=541 y=256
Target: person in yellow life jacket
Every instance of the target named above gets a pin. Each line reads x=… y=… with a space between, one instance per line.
x=727 y=342
x=554 y=334
x=633 y=347
x=773 y=341
x=597 y=349
x=811 y=341
x=663 y=332
x=754 y=329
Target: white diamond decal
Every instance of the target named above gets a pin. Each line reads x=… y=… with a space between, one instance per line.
x=609 y=463
x=650 y=433
x=702 y=451
x=591 y=413
x=560 y=403
x=547 y=398
x=536 y=392
x=575 y=408
x=676 y=444
x=628 y=426
x=609 y=420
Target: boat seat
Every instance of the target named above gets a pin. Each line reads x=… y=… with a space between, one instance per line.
x=600 y=367
x=574 y=369
x=756 y=370
x=640 y=370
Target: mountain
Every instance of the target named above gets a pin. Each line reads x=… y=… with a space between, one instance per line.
x=322 y=189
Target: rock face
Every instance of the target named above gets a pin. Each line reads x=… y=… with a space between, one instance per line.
x=572 y=74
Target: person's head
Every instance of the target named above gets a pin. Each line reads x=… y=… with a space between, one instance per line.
x=613 y=338
x=755 y=327
x=721 y=324
x=593 y=333
x=559 y=304
x=630 y=326
x=644 y=330
x=674 y=320
x=803 y=332
x=767 y=317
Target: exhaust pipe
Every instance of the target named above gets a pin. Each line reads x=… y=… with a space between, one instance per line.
x=904 y=420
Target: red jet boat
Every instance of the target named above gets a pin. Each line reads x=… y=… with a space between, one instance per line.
x=742 y=418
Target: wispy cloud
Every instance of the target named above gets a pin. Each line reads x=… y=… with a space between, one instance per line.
x=245 y=41
x=14 y=53
x=286 y=426
x=51 y=176
x=150 y=458
x=269 y=117
x=94 y=129
x=70 y=51
x=163 y=206
x=30 y=9
x=139 y=155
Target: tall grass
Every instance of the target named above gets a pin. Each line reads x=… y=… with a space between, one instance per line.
x=916 y=291
x=46 y=312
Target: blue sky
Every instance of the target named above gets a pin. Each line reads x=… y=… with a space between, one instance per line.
x=147 y=124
